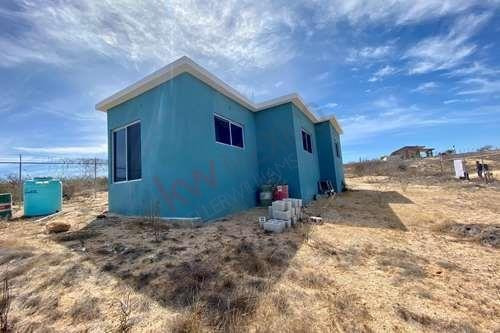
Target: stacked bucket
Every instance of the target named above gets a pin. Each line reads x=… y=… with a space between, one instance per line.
x=282 y=215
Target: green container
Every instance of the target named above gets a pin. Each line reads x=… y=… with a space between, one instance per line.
x=42 y=196
x=266 y=195
x=5 y=206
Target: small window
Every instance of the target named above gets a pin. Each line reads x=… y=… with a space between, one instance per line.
x=134 y=151
x=127 y=153
x=228 y=132
x=119 y=158
x=337 y=149
x=222 y=131
x=236 y=135
x=306 y=141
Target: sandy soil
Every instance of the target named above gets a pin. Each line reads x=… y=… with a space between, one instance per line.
x=390 y=256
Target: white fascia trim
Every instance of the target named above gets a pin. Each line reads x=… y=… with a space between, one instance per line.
x=185 y=64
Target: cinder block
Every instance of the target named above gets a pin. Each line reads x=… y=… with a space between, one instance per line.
x=281 y=205
x=274 y=226
x=279 y=215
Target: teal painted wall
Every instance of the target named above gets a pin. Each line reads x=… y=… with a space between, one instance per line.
x=277 y=154
x=189 y=174
x=308 y=164
x=330 y=166
x=183 y=168
x=339 y=164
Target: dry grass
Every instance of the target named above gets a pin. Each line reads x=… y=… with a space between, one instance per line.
x=391 y=256
x=85 y=309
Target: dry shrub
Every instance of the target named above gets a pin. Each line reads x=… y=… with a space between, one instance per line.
x=249 y=260
x=66 y=279
x=20 y=268
x=189 y=322
x=85 y=309
x=432 y=323
x=32 y=304
x=11 y=185
x=7 y=255
x=280 y=301
x=189 y=280
x=408 y=263
x=5 y=302
x=311 y=279
x=79 y=235
x=485 y=234
x=125 y=308
x=349 y=314
x=228 y=310
x=85 y=186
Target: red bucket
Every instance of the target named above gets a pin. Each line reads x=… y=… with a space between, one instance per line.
x=280 y=192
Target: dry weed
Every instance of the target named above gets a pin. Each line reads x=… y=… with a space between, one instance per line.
x=125 y=308
x=5 y=302
x=85 y=309
x=432 y=323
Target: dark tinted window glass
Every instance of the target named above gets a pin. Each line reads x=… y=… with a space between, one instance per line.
x=306 y=141
x=134 y=151
x=337 y=149
x=222 y=131
x=119 y=156
x=309 y=145
x=237 y=135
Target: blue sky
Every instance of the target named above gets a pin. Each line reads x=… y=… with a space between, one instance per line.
x=393 y=72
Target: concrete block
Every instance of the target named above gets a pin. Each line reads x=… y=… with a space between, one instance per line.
x=262 y=220
x=274 y=226
x=279 y=215
x=281 y=205
x=270 y=212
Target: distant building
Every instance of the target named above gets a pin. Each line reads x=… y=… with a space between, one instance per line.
x=409 y=152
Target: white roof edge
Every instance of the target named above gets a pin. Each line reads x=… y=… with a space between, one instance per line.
x=185 y=64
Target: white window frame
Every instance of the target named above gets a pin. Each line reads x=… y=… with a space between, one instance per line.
x=310 y=136
x=230 y=132
x=126 y=153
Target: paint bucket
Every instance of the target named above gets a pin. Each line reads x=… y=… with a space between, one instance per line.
x=266 y=195
x=281 y=192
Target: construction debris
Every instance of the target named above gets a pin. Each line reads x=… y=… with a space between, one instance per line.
x=56 y=227
x=282 y=215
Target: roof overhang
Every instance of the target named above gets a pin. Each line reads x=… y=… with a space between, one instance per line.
x=186 y=65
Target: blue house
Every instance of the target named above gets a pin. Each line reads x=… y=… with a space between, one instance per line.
x=184 y=141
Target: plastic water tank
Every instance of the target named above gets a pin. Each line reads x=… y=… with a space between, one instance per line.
x=42 y=196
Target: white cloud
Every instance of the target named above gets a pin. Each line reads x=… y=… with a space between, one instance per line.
x=251 y=91
x=331 y=105
x=322 y=76
x=456 y=100
x=384 y=71
x=476 y=68
x=426 y=87
x=390 y=114
x=481 y=86
x=153 y=31
x=362 y=12
x=69 y=150
x=370 y=53
x=278 y=84
x=446 y=51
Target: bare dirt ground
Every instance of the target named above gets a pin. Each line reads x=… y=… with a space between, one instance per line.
x=399 y=254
